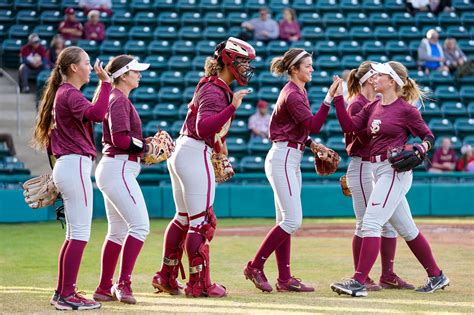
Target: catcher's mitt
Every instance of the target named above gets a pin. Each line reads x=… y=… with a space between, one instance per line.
x=345 y=188
x=40 y=191
x=407 y=157
x=326 y=161
x=222 y=168
x=159 y=148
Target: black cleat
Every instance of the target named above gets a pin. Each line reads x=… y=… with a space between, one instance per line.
x=350 y=287
x=433 y=284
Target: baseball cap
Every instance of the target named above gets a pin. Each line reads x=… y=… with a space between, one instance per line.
x=262 y=104
x=385 y=68
x=70 y=11
x=33 y=38
x=132 y=65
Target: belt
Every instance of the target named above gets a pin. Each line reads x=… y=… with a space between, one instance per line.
x=364 y=159
x=296 y=145
x=378 y=158
x=125 y=157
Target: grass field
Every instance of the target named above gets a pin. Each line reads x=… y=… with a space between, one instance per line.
x=29 y=256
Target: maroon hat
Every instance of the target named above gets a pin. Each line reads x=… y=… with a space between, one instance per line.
x=262 y=104
x=70 y=11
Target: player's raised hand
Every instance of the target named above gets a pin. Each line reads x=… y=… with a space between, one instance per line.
x=239 y=95
x=336 y=87
x=101 y=73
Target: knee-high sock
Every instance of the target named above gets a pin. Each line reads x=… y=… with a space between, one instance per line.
x=174 y=236
x=388 y=247
x=275 y=237
x=368 y=255
x=283 y=254
x=60 y=266
x=110 y=255
x=131 y=249
x=356 y=245
x=420 y=247
x=71 y=263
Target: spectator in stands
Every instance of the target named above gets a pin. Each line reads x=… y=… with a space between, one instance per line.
x=8 y=140
x=94 y=29
x=259 y=122
x=34 y=59
x=289 y=26
x=453 y=54
x=71 y=29
x=264 y=28
x=99 y=5
x=414 y=6
x=466 y=162
x=444 y=158
x=56 y=46
x=430 y=53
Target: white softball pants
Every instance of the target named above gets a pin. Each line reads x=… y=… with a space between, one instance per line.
x=388 y=203
x=282 y=167
x=124 y=203
x=192 y=179
x=361 y=183
x=72 y=177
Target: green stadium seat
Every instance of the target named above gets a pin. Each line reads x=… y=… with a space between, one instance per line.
x=89 y=92
x=260 y=48
x=464 y=127
x=446 y=93
x=394 y=47
x=441 y=31
x=304 y=5
x=28 y=17
x=206 y=47
x=239 y=127
x=252 y=164
x=136 y=48
x=269 y=79
x=234 y=31
x=164 y=5
x=446 y=19
x=420 y=77
x=316 y=94
x=210 y=6
x=172 y=78
x=122 y=17
x=395 y=6
x=467 y=94
x=359 y=33
x=458 y=32
x=150 y=78
x=41 y=79
x=268 y=93
x=306 y=44
x=378 y=58
x=25 y=4
x=456 y=142
x=349 y=47
x=146 y=19
x=372 y=6
x=180 y=63
x=236 y=18
x=307 y=163
x=321 y=78
x=170 y=94
x=187 y=6
x=44 y=5
x=453 y=110
x=120 y=4
x=402 y=19
x=52 y=17
x=10 y=51
x=425 y=18
x=406 y=60
x=333 y=128
x=337 y=143
x=176 y=128
x=190 y=33
x=324 y=47
x=463 y=5
x=245 y=110
x=6 y=4
x=165 y=111
x=310 y=19
x=431 y=110
x=157 y=62
x=116 y=32
x=168 y=19
x=323 y=6
x=144 y=110
x=214 y=19
x=277 y=47
x=166 y=33
x=183 y=111
x=467 y=18
x=144 y=94
x=407 y=33
x=373 y=47
x=327 y=62
x=45 y=31
x=278 y=5
x=19 y=32
x=356 y=19
x=441 y=78
x=192 y=19
x=259 y=146
x=349 y=6
x=192 y=78
x=441 y=126
x=468 y=140
x=351 y=61
x=141 y=5
x=183 y=48
x=334 y=19
x=385 y=33
x=313 y=33
x=3 y=32
x=336 y=33
x=153 y=126
x=230 y=6
x=159 y=47
x=215 y=33
x=379 y=19
x=198 y=63
x=111 y=47
x=188 y=94
x=90 y=46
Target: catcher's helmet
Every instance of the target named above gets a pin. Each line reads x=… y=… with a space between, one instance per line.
x=233 y=53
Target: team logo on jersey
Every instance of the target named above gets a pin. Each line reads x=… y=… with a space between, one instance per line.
x=375 y=126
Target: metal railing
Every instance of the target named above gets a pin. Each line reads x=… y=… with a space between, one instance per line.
x=17 y=90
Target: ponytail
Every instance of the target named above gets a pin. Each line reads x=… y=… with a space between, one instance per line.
x=277 y=66
x=353 y=85
x=411 y=92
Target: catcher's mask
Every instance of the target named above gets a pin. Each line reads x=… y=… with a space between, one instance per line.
x=237 y=54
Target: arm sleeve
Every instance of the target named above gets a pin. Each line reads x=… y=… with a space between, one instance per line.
x=209 y=119
x=314 y=123
x=274 y=31
x=119 y=116
x=121 y=140
x=416 y=124
x=297 y=107
x=348 y=124
x=97 y=111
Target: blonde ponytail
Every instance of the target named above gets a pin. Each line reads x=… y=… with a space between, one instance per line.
x=212 y=67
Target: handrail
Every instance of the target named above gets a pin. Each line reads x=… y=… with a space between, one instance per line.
x=17 y=88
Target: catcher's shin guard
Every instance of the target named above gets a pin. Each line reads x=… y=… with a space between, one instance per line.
x=200 y=284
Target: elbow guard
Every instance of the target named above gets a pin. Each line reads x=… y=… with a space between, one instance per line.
x=136 y=145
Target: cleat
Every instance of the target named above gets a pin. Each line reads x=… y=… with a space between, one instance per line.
x=395 y=282
x=371 y=285
x=102 y=295
x=434 y=283
x=165 y=284
x=350 y=287
x=258 y=278
x=123 y=292
x=76 y=302
x=293 y=285
x=54 y=298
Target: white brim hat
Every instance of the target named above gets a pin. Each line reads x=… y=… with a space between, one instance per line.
x=385 y=68
x=132 y=65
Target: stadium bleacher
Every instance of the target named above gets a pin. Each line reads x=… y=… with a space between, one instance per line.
x=176 y=36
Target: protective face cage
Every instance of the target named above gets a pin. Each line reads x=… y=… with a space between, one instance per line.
x=236 y=55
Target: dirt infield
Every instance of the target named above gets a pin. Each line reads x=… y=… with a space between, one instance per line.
x=458 y=234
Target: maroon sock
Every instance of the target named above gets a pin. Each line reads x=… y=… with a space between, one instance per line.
x=60 y=265
x=174 y=235
x=283 y=254
x=71 y=263
x=110 y=254
x=275 y=237
x=420 y=247
x=131 y=249
x=356 y=245
x=388 y=246
x=368 y=255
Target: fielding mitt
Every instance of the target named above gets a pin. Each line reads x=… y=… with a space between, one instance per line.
x=326 y=161
x=40 y=191
x=159 y=148
x=407 y=157
x=222 y=168
x=345 y=188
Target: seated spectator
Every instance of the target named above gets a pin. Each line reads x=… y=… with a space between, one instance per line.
x=466 y=162
x=453 y=54
x=34 y=59
x=260 y=121
x=289 y=26
x=8 y=140
x=444 y=158
x=99 y=5
x=263 y=28
x=56 y=46
x=94 y=29
x=430 y=53
x=71 y=29
x=414 y=6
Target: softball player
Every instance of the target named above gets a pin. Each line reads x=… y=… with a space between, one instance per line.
x=116 y=178
x=65 y=121
x=290 y=126
x=207 y=122
x=360 y=181
x=388 y=122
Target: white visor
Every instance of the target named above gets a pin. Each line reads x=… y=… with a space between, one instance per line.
x=366 y=76
x=132 y=65
x=385 y=68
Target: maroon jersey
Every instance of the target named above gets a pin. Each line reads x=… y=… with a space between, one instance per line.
x=442 y=157
x=291 y=109
x=389 y=126
x=98 y=29
x=121 y=116
x=72 y=133
x=69 y=24
x=212 y=97
x=357 y=144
